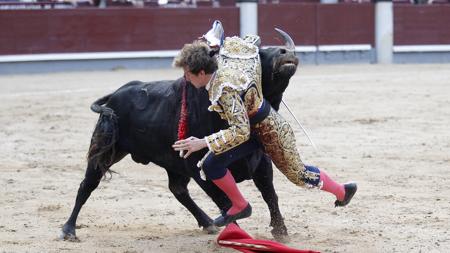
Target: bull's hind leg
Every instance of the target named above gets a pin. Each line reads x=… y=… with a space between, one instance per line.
x=88 y=185
x=178 y=186
x=263 y=178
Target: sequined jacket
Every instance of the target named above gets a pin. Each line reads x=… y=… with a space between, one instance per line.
x=235 y=92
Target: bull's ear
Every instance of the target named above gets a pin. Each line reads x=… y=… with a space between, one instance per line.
x=258 y=42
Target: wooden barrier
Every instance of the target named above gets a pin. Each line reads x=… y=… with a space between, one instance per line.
x=299 y=20
x=421 y=24
x=114 y=29
x=345 y=24
x=147 y=29
x=318 y=24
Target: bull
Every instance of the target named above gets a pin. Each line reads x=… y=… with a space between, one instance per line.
x=141 y=119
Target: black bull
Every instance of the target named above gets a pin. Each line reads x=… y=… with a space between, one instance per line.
x=141 y=119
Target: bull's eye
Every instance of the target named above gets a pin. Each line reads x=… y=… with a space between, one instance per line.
x=282 y=51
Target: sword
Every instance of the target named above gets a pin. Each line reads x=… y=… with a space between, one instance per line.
x=298 y=122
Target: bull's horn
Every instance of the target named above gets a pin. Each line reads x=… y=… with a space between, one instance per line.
x=289 y=43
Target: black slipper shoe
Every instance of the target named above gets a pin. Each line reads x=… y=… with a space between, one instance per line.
x=350 y=190
x=227 y=219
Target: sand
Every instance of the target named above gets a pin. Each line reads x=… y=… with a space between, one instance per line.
x=385 y=126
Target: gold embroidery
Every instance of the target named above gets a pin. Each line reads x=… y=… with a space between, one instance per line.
x=236 y=94
x=233 y=110
x=278 y=139
x=235 y=47
x=239 y=67
x=252 y=100
x=253 y=39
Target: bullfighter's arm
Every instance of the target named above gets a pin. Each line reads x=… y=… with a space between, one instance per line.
x=235 y=113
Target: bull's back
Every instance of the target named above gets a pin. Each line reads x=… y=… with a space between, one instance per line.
x=147 y=117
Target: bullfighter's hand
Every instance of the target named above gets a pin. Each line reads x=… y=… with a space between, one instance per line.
x=191 y=144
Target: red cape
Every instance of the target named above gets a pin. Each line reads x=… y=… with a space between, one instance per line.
x=234 y=237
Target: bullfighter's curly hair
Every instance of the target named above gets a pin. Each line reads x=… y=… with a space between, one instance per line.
x=196 y=57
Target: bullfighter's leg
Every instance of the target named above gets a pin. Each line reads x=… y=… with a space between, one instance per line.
x=217 y=196
x=263 y=178
x=278 y=140
x=178 y=186
x=216 y=169
x=90 y=182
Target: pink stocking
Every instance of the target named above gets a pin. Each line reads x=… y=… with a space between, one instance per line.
x=229 y=187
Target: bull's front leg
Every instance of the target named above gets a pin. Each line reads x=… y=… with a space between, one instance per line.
x=263 y=178
x=178 y=186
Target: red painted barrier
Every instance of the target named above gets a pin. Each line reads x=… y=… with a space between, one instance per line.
x=299 y=20
x=421 y=24
x=114 y=29
x=318 y=24
x=345 y=24
x=142 y=29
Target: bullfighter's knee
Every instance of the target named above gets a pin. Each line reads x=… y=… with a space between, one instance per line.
x=310 y=176
x=213 y=168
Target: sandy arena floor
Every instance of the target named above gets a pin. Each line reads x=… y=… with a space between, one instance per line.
x=386 y=127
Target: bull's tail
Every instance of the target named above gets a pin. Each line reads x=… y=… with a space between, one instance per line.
x=102 y=150
x=98 y=105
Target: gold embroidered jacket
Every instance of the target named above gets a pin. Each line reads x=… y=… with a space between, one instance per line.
x=235 y=92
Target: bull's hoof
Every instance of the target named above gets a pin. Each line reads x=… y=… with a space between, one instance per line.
x=211 y=229
x=68 y=234
x=280 y=235
x=282 y=238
